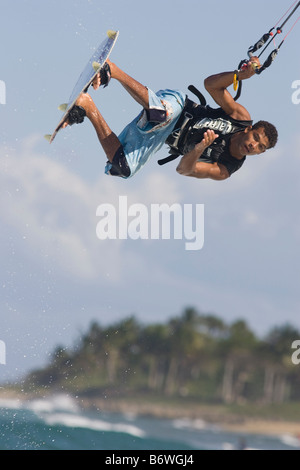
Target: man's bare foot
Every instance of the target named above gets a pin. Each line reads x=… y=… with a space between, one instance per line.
x=96 y=82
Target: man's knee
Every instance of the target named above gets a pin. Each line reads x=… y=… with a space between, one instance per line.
x=119 y=164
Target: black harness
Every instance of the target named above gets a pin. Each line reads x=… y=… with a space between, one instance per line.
x=194 y=120
x=183 y=126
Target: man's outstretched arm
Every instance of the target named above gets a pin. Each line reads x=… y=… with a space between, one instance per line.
x=190 y=166
x=217 y=85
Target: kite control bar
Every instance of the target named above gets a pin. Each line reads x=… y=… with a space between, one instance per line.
x=266 y=40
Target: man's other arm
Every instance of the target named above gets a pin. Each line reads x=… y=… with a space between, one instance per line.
x=190 y=166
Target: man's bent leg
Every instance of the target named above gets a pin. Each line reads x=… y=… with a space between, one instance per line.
x=138 y=91
x=107 y=138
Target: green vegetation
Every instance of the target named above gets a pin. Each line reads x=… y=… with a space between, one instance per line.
x=193 y=356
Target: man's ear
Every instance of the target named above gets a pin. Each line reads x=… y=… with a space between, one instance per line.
x=248 y=129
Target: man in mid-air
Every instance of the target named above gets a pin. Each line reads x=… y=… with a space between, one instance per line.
x=213 y=143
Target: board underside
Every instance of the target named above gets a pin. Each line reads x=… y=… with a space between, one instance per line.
x=87 y=76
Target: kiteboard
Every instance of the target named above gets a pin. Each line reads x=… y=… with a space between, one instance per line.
x=86 y=78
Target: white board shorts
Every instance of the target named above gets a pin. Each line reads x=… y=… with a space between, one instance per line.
x=141 y=139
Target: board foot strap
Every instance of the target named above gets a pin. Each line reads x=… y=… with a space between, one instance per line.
x=105 y=75
x=76 y=115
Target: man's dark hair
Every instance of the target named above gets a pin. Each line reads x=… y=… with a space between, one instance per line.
x=270 y=131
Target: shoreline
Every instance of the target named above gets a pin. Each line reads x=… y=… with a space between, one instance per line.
x=200 y=415
x=208 y=415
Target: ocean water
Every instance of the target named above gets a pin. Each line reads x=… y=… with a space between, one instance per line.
x=58 y=424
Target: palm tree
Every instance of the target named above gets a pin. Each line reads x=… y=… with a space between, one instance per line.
x=279 y=369
x=238 y=350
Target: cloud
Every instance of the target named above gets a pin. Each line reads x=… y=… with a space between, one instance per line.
x=55 y=273
x=49 y=213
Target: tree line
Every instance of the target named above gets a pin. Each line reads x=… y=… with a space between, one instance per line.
x=193 y=355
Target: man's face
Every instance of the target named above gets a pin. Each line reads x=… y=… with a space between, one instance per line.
x=255 y=141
